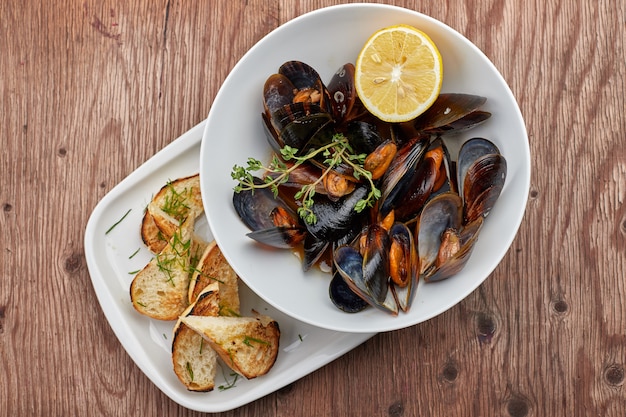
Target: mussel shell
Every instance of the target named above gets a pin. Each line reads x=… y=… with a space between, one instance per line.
x=300 y=74
x=448 y=109
x=277 y=93
x=349 y=264
x=286 y=114
x=417 y=191
x=271 y=134
x=483 y=184
x=304 y=77
x=469 y=152
x=255 y=207
x=404 y=294
x=343 y=297
x=280 y=237
x=454 y=265
x=342 y=92
x=440 y=213
x=397 y=179
x=311 y=130
x=362 y=136
x=481 y=174
x=336 y=218
x=376 y=261
x=313 y=249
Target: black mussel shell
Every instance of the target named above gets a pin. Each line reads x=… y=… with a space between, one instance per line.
x=343 y=297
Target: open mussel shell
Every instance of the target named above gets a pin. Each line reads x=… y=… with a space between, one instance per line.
x=281 y=237
x=403 y=265
x=452 y=112
x=301 y=75
x=258 y=209
x=467 y=240
x=306 y=78
x=367 y=274
x=443 y=212
x=431 y=176
x=397 y=179
x=482 y=173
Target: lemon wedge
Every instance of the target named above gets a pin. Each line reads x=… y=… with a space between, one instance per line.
x=398 y=73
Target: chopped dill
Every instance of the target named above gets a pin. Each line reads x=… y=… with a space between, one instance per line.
x=117 y=222
x=189 y=370
x=229 y=384
x=247 y=341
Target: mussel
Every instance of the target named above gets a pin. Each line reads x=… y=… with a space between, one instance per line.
x=270 y=219
x=482 y=173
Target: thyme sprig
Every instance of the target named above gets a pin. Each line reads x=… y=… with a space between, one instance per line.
x=337 y=152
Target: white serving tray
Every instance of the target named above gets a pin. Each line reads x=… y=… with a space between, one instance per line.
x=113 y=257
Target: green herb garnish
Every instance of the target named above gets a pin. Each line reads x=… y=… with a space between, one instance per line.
x=229 y=384
x=247 y=341
x=189 y=370
x=166 y=262
x=176 y=202
x=337 y=152
x=117 y=222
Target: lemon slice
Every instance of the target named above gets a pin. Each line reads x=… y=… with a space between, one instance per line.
x=398 y=73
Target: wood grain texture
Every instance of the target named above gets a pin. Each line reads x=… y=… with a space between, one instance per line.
x=90 y=90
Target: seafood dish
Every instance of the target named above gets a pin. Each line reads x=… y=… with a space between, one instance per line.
x=377 y=205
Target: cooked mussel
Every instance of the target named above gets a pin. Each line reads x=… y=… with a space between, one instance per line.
x=482 y=174
x=269 y=218
x=307 y=82
x=365 y=269
x=403 y=265
x=444 y=242
x=343 y=297
x=452 y=113
x=342 y=92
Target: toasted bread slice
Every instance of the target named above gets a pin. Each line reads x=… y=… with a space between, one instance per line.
x=176 y=201
x=248 y=345
x=160 y=289
x=155 y=239
x=213 y=267
x=151 y=235
x=194 y=361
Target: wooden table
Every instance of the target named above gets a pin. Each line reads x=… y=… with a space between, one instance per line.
x=90 y=90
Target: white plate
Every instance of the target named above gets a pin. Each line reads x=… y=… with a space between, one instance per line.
x=304 y=348
x=326 y=39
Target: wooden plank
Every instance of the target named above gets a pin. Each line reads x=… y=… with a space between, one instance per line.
x=91 y=90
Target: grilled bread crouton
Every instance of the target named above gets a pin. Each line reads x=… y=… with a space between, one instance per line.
x=156 y=240
x=248 y=345
x=160 y=289
x=193 y=359
x=213 y=267
x=151 y=235
x=176 y=201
